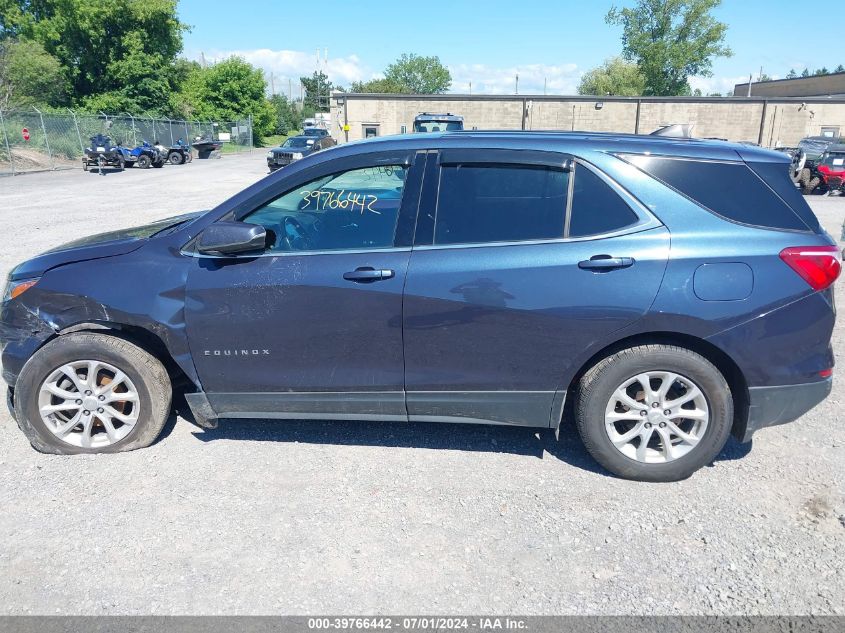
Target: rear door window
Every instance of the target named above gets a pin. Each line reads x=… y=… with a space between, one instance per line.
x=500 y=203
x=728 y=189
x=596 y=208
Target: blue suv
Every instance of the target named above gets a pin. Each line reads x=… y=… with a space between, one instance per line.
x=661 y=293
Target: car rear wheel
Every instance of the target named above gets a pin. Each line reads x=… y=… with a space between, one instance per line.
x=143 y=161
x=654 y=412
x=175 y=158
x=92 y=393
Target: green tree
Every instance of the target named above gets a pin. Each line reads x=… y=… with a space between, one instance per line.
x=229 y=90
x=821 y=71
x=840 y=69
x=29 y=75
x=805 y=72
x=287 y=116
x=318 y=89
x=383 y=86
x=614 y=77
x=791 y=74
x=670 y=40
x=118 y=53
x=420 y=75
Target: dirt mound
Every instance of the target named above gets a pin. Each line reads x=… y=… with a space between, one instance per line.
x=31 y=160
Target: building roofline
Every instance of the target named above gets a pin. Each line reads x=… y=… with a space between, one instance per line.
x=777 y=81
x=583 y=98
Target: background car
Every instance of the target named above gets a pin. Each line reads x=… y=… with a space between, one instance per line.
x=297 y=147
x=318 y=132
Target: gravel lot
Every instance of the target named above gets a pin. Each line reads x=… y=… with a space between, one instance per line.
x=260 y=517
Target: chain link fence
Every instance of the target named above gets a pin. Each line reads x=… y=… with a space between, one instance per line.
x=31 y=140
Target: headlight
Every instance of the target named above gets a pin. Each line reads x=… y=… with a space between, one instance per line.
x=269 y=154
x=297 y=155
x=15 y=289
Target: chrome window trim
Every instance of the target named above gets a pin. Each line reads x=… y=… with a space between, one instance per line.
x=628 y=230
x=356 y=251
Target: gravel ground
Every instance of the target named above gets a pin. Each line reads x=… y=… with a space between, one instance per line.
x=264 y=517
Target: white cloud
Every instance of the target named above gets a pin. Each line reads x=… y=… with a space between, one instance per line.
x=560 y=79
x=709 y=85
x=287 y=64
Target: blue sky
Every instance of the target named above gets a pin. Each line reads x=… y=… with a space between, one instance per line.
x=486 y=42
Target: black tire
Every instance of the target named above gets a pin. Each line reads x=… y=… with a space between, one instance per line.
x=176 y=158
x=599 y=383
x=811 y=185
x=145 y=371
x=158 y=164
x=122 y=164
x=804 y=177
x=143 y=161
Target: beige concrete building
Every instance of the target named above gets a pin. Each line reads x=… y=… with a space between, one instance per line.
x=769 y=122
x=832 y=85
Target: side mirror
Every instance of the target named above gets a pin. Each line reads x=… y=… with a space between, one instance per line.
x=232 y=238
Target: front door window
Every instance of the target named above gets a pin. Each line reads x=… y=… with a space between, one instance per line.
x=351 y=210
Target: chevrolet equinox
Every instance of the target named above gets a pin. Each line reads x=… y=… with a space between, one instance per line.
x=664 y=293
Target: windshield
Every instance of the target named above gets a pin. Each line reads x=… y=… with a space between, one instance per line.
x=836 y=160
x=438 y=126
x=314 y=131
x=813 y=146
x=298 y=142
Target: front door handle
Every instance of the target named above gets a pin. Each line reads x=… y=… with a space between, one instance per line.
x=605 y=262
x=367 y=274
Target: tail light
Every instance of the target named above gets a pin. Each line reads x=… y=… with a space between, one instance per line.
x=818 y=265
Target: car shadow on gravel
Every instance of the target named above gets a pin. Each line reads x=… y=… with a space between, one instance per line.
x=529 y=442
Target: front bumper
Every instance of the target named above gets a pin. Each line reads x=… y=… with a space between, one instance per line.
x=279 y=161
x=21 y=334
x=771 y=406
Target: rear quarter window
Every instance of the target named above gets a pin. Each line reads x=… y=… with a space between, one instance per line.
x=596 y=208
x=729 y=189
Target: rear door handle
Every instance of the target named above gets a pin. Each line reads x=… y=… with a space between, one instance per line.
x=605 y=262
x=366 y=274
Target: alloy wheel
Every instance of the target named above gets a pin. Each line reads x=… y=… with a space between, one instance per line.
x=656 y=417
x=89 y=403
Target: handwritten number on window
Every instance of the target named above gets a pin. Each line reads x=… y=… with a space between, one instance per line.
x=333 y=200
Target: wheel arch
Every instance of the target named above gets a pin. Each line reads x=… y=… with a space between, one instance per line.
x=723 y=362
x=143 y=338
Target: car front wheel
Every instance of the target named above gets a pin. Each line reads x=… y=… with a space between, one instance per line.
x=654 y=412
x=91 y=393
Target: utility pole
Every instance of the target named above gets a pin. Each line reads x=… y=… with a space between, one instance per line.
x=544 y=85
x=470 y=87
x=749 y=85
x=202 y=58
x=517 y=83
x=290 y=90
x=272 y=84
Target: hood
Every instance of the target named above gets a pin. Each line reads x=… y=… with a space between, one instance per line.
x=97 y=246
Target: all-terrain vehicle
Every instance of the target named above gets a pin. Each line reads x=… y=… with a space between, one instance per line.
x=806 y=158
x=103 y=153
x=831 y=169
x=177 y=154
x=145 y=156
